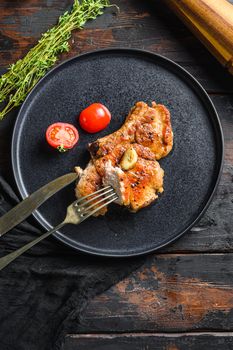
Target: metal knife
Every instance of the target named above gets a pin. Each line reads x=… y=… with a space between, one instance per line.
x=22 y=210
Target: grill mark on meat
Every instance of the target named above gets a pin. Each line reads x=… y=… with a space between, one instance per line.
x=93 y=148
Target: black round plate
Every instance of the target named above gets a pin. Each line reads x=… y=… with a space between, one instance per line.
x=118 y=78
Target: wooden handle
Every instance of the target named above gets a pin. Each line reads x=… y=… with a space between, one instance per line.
x=212 y=22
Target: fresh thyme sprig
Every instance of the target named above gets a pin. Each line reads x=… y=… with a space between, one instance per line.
x=22 y=76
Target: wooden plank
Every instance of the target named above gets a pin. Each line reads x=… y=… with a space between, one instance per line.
x=200 y=341
x=142 y=24
x=170 y=293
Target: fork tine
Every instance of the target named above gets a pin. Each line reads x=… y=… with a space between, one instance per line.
x=94 y=197
x=91 y=194
x=97 y=203
x=97 y=209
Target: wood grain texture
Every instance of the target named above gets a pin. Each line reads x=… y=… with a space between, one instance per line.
x=147 y=24
x=170 y=293
x=150 y=342
x=212 y=22
x=188 y=286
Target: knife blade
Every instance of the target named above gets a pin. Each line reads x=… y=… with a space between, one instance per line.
x=22 y=210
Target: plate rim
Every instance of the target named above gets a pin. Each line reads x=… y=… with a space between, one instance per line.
x=192 y=82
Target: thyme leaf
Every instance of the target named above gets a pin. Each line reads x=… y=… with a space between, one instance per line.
x=23 y=75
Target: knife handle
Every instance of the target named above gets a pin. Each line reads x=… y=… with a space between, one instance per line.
x=22 y=210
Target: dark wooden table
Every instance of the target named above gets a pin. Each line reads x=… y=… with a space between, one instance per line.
x=183 y=297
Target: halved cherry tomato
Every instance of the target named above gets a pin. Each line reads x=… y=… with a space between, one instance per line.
x=94 y=118
x=62 y=136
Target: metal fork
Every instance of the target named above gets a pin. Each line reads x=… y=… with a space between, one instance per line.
x=77 y=212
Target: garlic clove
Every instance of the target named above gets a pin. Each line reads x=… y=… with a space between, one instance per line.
x=129 y=159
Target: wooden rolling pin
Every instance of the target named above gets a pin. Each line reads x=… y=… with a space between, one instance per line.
x=212 y=22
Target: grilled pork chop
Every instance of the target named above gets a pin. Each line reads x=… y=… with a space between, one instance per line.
x=137 y=187
x=127 y=158
x=147 y=126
